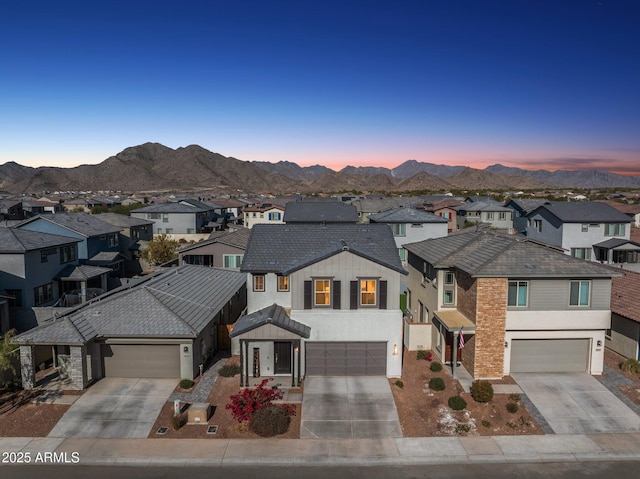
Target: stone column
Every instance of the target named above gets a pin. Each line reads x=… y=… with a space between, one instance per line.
x=27 y=367
x=79 y=378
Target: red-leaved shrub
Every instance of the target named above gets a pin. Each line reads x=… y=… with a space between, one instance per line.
x=249 y=400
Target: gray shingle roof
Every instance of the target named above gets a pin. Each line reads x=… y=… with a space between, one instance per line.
x=13 y=240
x=273 y=314
x=486 y=254
x=617 y=242
x=82 y=223
x=237 y=239
x=176 y=303
x=82 y=272
x=123 y=221
x=407 y=215
x=482 y=206
x=585 y=212
x=529 y=204
x=319 y=212
x=173 y=208
x=284 y=249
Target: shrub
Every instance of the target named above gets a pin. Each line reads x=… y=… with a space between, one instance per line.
x=270 y=421
x=250 y=400
x=512 y=407
x=485 y=423
x=514 y=397
x=186 y=383
x=399 y=383
x=178 y=421
x=436 y=367
x=481 y=391
x=424 y=354
x=437 y=384
x=462 y=428
x=457 y=403
x=229 y=370
x=631 y=366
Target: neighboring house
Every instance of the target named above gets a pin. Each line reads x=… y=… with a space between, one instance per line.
x=102 y=201
x=223 y=250
x=263 y=213
x=444 y=208
x=181 y=218
x=589 y=230
x=163 y=326
x=38 y=207
x=323 y=300
x=135 y=233
x=77 y=204
x=11 y=210
x=371 y=206
x=521 y=306
x=100 y=242
x=633 y=210
x=319 y=212
x=522 y=207
x=233 y=209
x=491 y=213
x=410 y=225
x=624 y=335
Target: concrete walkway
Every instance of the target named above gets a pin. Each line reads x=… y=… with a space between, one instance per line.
x=357 y=452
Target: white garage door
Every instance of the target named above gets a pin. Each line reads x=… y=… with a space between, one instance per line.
x=346 y=358
x=141 y=360
x=549 y=355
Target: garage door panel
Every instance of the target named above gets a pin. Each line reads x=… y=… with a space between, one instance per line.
x=346 y=358
x=549 y=355
x=141 y=360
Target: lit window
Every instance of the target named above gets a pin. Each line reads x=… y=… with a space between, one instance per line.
x=283 y=283
x=517 y=295
x=368 y=292
x=258 y=282
x=579 y=293
x=322 y=292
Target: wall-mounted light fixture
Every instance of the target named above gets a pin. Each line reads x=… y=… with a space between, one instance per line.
x=506 y=344
x=599 y=343
x=395 y=349
x=296 y=349
x=185 y=349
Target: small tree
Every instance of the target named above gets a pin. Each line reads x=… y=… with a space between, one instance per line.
x=161 y=249
x=8 y=353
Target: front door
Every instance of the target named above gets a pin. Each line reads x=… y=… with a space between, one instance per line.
x=282 y=358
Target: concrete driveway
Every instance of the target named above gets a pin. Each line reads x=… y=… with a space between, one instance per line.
x=116 y=408
x=348 y=407
x=577 y=403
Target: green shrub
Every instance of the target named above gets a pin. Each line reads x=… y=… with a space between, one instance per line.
x=229 y=370
x=178 y=421
x=186 y=383
x=437 y=384
x=462 y=428
x=424 y=354
x=485 y=423
x=514 y=397
x=512 y=407
x=399 y=383
x=436 y=367
x=270 y=421
x=457 y=403
x=481 y=391
x=631 y=366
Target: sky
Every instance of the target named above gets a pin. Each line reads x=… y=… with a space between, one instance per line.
x=551 y=84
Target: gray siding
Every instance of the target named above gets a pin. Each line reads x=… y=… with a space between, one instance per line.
x=625 y=335
x=218 y=250
x=551 y=228
x=553 y=294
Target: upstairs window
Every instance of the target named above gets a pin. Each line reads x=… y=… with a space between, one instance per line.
x=399 y=229
x=579 y=293
x=283 y=283
x=67 y=254
x=233 y=261
x=490 y=215
x=582 y=253
x=584 y=227
x=614 y=229
x=518 y=293
x=537 y=225
x=258 y=282
x=165 y=217
x=322 y=292
x=502 y=215
x=113 y=239
x=43 y=294
x=368 y=290
x=274 y=216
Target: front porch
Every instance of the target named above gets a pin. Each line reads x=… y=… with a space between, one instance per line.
x=451 y=327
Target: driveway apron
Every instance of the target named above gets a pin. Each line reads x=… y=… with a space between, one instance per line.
x=115 y=408
x=577 y=403
x=348 y=407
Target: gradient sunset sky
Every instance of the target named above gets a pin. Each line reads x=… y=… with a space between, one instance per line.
x=551 y=84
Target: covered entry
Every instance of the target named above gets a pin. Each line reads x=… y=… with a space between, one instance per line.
x=550 y=355
x=346 y=358
x=141 y=360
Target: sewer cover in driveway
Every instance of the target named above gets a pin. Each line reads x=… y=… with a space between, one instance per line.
x=348 y=407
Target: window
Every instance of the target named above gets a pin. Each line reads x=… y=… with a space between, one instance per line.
x=584 y=227
x=579 y=293
x=113 y=239
x=490 y=215
x=582 y=253
x=502 y=216
x=198 y=259
x=67 y=254
x=537 y=225
x=233 y=261
x=261 y=215
x=517 y=294
x=607 y=333
x=159 y=231
x=153 y=216
x=449 y=296
x=368 y=292
x=403 y=254
x=45 y=253
x=274 y=216
x=448 y=277
x=421 y=311
x=43 y=293
x=190 y=231
x=258 y=282
x=322 y=292
x=16 y=301
x=416 y=225
x=165 y=217
x=253 y=215
x=614 y=229
x=283 y=283
x=399 y=229
x=169 y=231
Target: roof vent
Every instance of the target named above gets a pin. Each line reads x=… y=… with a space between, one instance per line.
x=345 y=246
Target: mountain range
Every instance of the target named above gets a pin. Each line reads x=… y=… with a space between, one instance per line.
x=153 y=166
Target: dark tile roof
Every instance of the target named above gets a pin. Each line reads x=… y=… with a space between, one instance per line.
x=81 y=223
x=286 y=248
x=237 y=239
x=625 y=296
x=123 y=221
x=617 y=242
x=273 y=314
x=482 y=206
x=406 y=215
x=81 y=272
x=584 y=212
x=13 y=240
x=173 y=208
x=319 y=212
x=487 y=254
x=528 y=204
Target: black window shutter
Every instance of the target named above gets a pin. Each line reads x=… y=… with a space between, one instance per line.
x=383 y=295
x=336 y=294
x=354 y=294
x=307 y=295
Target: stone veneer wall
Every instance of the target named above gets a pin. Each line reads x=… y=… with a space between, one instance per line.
x=78 y=367
x=491 y=316
x=466 y=292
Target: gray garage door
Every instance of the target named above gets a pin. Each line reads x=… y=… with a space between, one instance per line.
x=549 y=355
x=346 y=359
x=141 y=360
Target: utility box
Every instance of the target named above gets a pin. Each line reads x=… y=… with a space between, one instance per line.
x=199 y=413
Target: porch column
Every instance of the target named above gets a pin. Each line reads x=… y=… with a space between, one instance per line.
x=27 y=367
x=241 y=363
x=454 y=358
x=79 y=378
x=299 y=347
x=293 y=364
x=83 y=291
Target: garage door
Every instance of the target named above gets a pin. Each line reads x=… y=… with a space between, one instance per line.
x=346 y=359
x=141 y=360
x=549 y=355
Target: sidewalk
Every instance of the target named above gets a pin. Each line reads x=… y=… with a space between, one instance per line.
x=358 y=452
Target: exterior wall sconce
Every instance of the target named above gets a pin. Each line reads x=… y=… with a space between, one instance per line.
x=395 y=349
x=296 y=349
x=185 y=349
x=599 y=343
x=506 y=344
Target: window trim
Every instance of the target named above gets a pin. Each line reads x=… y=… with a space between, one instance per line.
x=374 y=292
x=226 y=261
x=315 y=292
x=580 y=283
x=286 y=279
x=256 y=286
x=518 y=284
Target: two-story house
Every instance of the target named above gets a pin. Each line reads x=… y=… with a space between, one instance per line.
x=182 y=218
x=223 y=249
x=521 y=306
x=321 y=300
x=444 y=208
x=263 y=213
x=135 y=233
x=590 y=230
x=521 y=208
x=490 y=213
